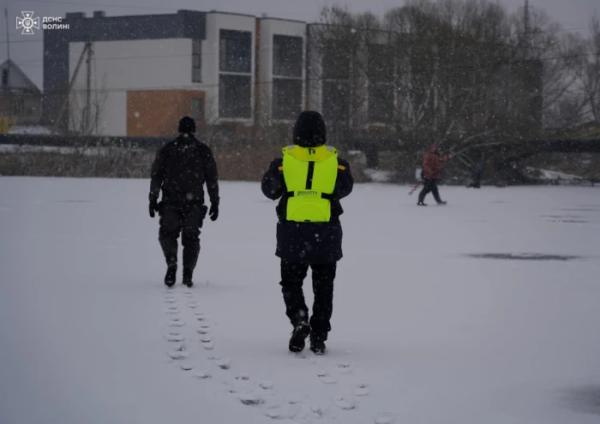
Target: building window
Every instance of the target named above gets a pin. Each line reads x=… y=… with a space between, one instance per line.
x=287 y=98
x=286 y=101
x=287 y=56
x=235 y=77
x=380 y=73
x=5 y=78
x=196 y=60
x=235 y=51
x=234 y=96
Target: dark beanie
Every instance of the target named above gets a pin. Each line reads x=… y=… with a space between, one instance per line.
x=309 y=130
x=187 y=125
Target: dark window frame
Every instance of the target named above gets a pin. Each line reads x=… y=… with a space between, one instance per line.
x=230 y=106
x=235 y=51
x=235 y=74
x=196 y=60
x=288 y=56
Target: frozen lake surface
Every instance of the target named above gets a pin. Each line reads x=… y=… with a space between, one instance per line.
x=486 y=310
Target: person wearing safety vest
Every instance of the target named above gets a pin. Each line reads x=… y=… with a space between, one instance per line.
x=309 y=180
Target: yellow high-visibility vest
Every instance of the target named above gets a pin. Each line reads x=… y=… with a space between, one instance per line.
x=309 y=174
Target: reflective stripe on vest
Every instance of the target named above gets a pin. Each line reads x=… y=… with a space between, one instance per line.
x=310 y=174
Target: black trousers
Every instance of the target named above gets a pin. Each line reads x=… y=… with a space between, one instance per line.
x=292 y=277
x=429 y=186
x=187 y=221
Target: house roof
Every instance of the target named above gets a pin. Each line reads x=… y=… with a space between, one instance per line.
x=17 y=79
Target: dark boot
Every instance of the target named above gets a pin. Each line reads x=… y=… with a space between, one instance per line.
x=421 y=203
x=170 y=275
x=299 y=334
x=187 y=277
x=317 y=344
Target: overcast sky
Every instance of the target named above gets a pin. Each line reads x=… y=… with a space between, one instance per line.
x=26 y=50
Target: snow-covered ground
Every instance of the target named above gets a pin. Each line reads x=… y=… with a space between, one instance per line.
x=422 y=332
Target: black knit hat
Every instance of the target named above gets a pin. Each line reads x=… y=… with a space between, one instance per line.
x=187 y=125
x=309 y=130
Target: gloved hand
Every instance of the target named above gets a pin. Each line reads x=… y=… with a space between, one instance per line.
x=213 y=212
x=153 y=205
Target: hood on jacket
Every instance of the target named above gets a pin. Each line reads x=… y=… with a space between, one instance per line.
x=309 y=130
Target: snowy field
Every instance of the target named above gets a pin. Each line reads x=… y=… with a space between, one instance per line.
x=422 y=332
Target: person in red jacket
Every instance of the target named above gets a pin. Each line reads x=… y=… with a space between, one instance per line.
x=433 y=163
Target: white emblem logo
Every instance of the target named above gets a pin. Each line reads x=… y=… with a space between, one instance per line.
x=28 y=23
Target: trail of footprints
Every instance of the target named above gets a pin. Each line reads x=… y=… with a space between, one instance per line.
x=187 y=340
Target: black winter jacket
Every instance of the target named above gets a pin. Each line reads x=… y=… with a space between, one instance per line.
x=180 y=169
x=308 y=242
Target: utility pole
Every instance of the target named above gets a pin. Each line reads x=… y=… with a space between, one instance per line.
x=527 y=28
x=6 y=78
x=88 y=90
x=7 y=33
x=65 y=103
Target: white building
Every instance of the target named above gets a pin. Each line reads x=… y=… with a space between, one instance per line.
x=136 y=75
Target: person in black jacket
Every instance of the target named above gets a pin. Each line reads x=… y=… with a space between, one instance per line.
x=304 y=237
x=180 y=170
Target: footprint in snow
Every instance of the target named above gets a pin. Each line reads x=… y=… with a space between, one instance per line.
x=344 y=367
x=345 y=403
x=224 y=363
x=317 y=410
x=180 y=347
x=202 y=331
x=205 y=339
x=175 y=338
x=209 y=346
x=265 y=385
x=275 y=412
x=325 y=378
x=177 y=355
x=202 y=375
x=186 y=366
x=362 y=390
x=384 y=419
x=283 y=414
x=251 y=399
